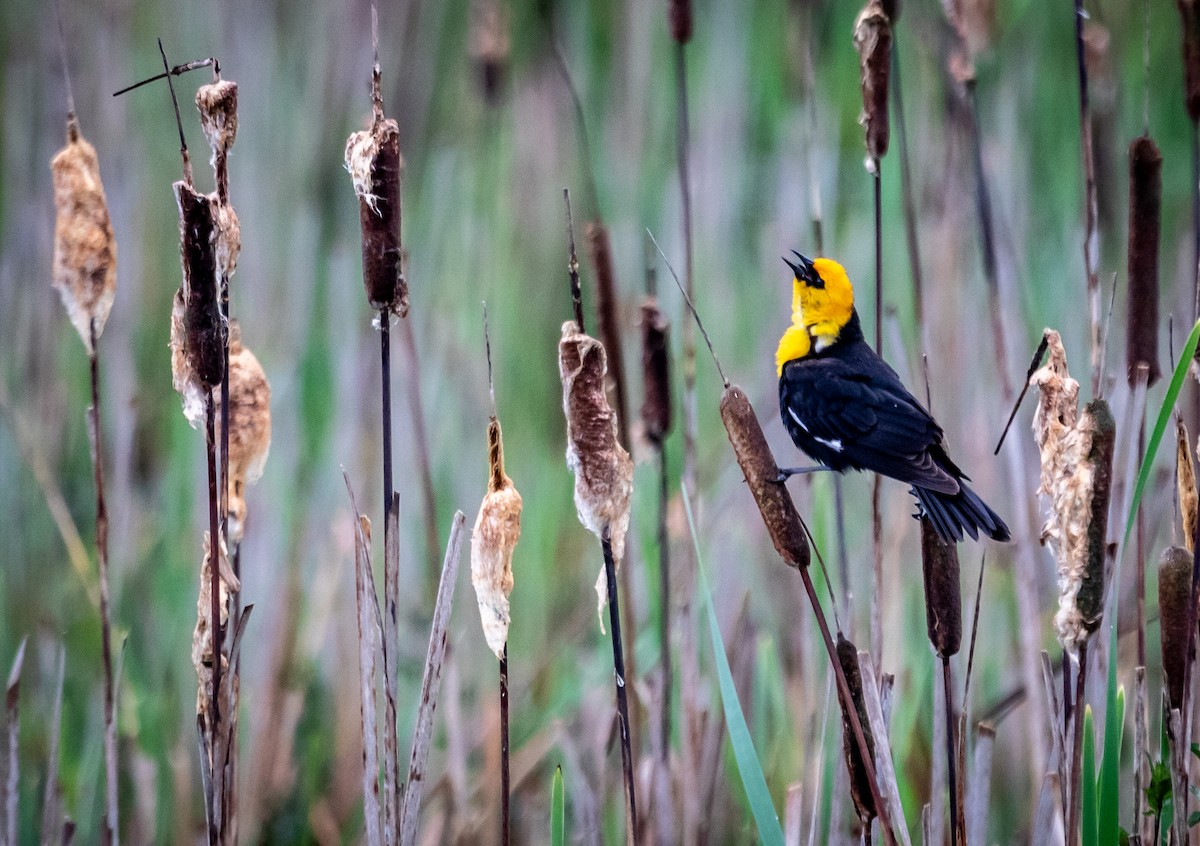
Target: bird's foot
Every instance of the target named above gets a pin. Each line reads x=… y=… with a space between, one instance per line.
x=786 y=473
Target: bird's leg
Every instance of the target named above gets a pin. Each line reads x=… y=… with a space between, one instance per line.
x=786 y=473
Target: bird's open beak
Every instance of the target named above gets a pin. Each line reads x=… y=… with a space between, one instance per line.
x=802 y=267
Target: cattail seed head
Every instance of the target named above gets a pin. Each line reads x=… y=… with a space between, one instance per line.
x=873 y=40
x=1145 y=214
x=943 y=591
x=1076 y=476
x=204 y=341
x=1174 y=592
x=497 y=530
x=679 y=17
x=1185 y=482
x=218 y=103
x=656 y=373
x=374 y=161
x=202 y=636
x=85 y=251
x=603 y=470
x=1189 y=13
x=762 y=477
x=607 y=308
x=249 y=427
x=490 y=45
x=860 y=783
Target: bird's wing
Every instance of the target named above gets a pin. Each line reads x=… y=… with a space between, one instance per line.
x=869 y=417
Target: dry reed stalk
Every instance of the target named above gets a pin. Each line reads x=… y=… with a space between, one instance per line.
x=1145 y=212
x=391 y=671
x=11 y=762
x=1179 y=754
x=1141 y=755
x=52 y=810
x=497 y=530
x=85 y=274
x=874 y=701
x=1174 y=588
x=856 y=763
x=369 y=631
x=976 y=809
x=1091 y=236
x=431 y=682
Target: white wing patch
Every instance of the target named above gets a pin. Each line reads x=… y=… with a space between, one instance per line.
x=835 y=444
x=799 y=422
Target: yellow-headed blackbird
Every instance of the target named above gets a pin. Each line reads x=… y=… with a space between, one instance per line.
x=846 y=408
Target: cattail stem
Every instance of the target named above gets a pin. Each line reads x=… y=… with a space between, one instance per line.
x=664 y=601
x=385 y=361
x=111 y=819
x=906 y=193
x=1073 y=824
x=951 y=751
x=1090 y=202
x=505 y=786
x=214 y=568
x=614 y=619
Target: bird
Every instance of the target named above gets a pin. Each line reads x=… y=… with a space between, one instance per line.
x=847 y=409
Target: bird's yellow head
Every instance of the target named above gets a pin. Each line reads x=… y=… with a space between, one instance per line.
x=822 y=304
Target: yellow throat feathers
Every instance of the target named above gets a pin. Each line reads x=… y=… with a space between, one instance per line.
x=818 y=314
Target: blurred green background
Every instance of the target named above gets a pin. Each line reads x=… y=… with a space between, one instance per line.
x=483 y=221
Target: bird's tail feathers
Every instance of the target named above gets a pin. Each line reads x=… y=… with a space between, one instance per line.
x=953 y=514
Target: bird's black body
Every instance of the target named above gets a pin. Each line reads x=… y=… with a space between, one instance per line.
x=846 y=408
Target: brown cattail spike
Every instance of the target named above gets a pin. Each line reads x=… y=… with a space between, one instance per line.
x=1174 y=589
x=249 y=427
x=1145 y=214
x=873 y=40
x=679 y=17
x=943 y=591
x=860 y=783
x=490 y=45
x=1185 y=481
x=85 y=251
x=203 y=329
x=497 y=530
x=656 y=373
x=373 y=159
x=603 y=470
x=1189 y=13
x=763 y=478
x=1098 y=423
x=607 y=311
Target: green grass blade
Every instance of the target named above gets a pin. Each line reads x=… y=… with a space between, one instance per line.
x=749 y=767
x=1088 y=822
x=1110 y=766
x=558 y=810
x=1160 y=425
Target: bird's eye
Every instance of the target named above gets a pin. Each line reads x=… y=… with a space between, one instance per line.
x=814 y=280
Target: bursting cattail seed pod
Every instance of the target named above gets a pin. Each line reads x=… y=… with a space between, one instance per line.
x=603 y=470
x=497 y=530
x=373 y=159
x=249 y=427
x=679 y=17
x=218 y=102
x=860 y=783
x=1189 y=13
x=873 y=40
x=762 y=477
x=203 y=341
x=85 y=251
x=1185 y=481
x=656 y=373
x=1174 y=591
x=943 y=591
x=1145 y=211
x=1076 y=476
x=202 y=640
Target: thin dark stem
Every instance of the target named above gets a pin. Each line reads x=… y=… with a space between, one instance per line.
x=573 y=264
x=1141 y=564
x=214 y=567
x=1077 y=746
x=224 y=505
x=62 y=45
x=505 y=786
x=1090 y=202
x=951 y=750
x=183 y=148
x=111 y=830
x=848 y=708
x=878 y=258
x=664 y=624
x=876 y=515
x=614 y=619
x=910 y=213
x=385 y=361
x=689 y=337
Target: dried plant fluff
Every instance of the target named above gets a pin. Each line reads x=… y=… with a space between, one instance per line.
x=497 y=530
x=85 y=251
x=184 y=381
x=218 y=103
x=1076 y=465
x=603 y=470
x=249 y=427
x=227 y=237
x=202 y=641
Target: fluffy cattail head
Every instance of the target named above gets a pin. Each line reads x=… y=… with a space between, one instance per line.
x=762 y=477
x=1174 y=592
x=603 y=470
x=249 y=427
x=497 y=530
x=860 y=783
x=218 y=104
x=1076 y=478
x=204 y=339
x=1185 y=481
x=943 y=591
x=374 y=161
x=202 y=636
x=85 y=251
x=679 y=17
x=656 y=373
x=1145 y=214
x=873 y=40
